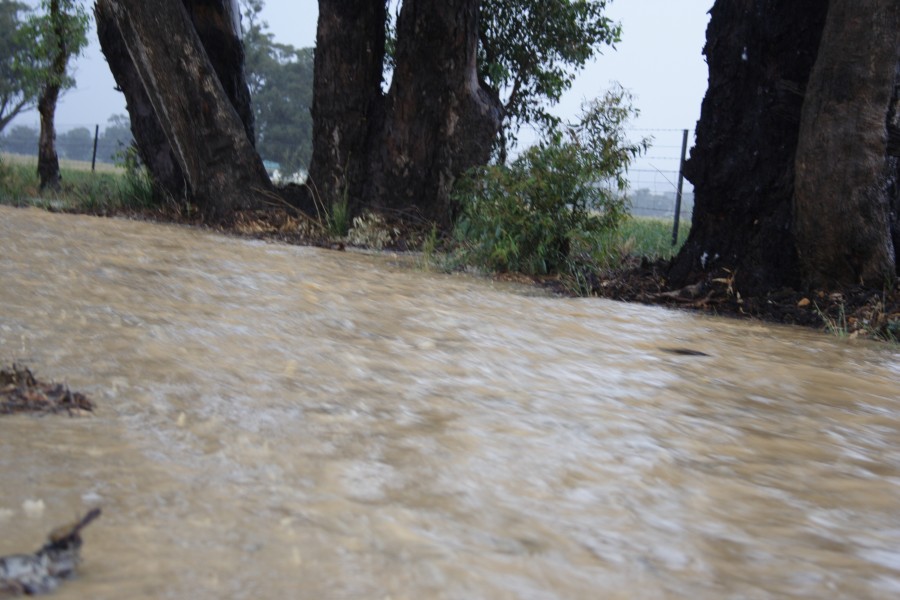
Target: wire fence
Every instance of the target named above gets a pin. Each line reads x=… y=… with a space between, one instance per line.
x=653 y=180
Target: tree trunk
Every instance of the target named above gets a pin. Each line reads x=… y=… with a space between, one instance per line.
x=842 y=198
x=150 y=139
x=440 y=119
x=760 y=54
x=218 y=23
x=402 y=151
x=48 y=161
x=347 y=96
x=210 y=143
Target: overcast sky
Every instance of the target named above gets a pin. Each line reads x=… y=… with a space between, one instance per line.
x=659 y=60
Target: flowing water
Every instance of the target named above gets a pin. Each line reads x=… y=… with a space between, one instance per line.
x=286 y=422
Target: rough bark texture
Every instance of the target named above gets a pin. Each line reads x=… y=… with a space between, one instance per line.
x=440 y=120
x=218 y=23
x=210 y=143
x=402 y=151
x=150 y=139
x=48 y=160
x=760 y=54
x=894 y=164
x=841 y=199
x=347 y=96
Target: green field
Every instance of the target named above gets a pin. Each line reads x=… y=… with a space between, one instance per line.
x=651 y=237
x=64 y=164
x=109 y=188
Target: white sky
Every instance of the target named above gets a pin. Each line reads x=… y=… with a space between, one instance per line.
x=659 y=60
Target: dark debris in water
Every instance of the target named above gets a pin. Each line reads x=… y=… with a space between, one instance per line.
x=21 y=392
x=43 y=571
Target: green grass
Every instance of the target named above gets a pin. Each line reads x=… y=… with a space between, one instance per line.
x=650 y=237
x=106 y=190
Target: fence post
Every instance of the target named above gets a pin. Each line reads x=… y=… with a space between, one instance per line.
x=94 y=156
x=684 y=142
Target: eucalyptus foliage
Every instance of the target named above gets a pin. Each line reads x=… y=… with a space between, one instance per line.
x=52 y=36
x=19 y=80
x=530 y=52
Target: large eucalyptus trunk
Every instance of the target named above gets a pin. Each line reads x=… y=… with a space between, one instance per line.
x=149 y=137
x=795 y=170
x=402 y=151
x=191 y=90
x=845 y=188
x=440 y=120
x=760 y=54
x=347 y=97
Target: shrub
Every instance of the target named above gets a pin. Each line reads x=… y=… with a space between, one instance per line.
x=550 y=209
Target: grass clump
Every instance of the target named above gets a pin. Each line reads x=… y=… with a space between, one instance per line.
x=17 y=182
x=555 y=209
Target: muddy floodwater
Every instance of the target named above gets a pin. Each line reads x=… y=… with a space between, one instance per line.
x=288 y=422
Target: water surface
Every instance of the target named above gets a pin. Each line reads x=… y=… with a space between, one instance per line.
x=285 y=422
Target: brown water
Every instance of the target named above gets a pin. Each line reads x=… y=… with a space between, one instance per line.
x=283 y=422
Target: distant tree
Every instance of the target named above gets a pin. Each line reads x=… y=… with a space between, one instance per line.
x=56 y=35
x=19 y=81
x=20 y=139
x=76 y=144
x=280 y=79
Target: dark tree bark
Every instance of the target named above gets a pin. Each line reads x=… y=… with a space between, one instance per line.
x=218 y=23
x=893 y=150
x=347 y=96
x=760 y=54
x=842 y=200
x=402 y=151
x=440 y=120
x=150 y=139
x=211 y=144
x=48 y=160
